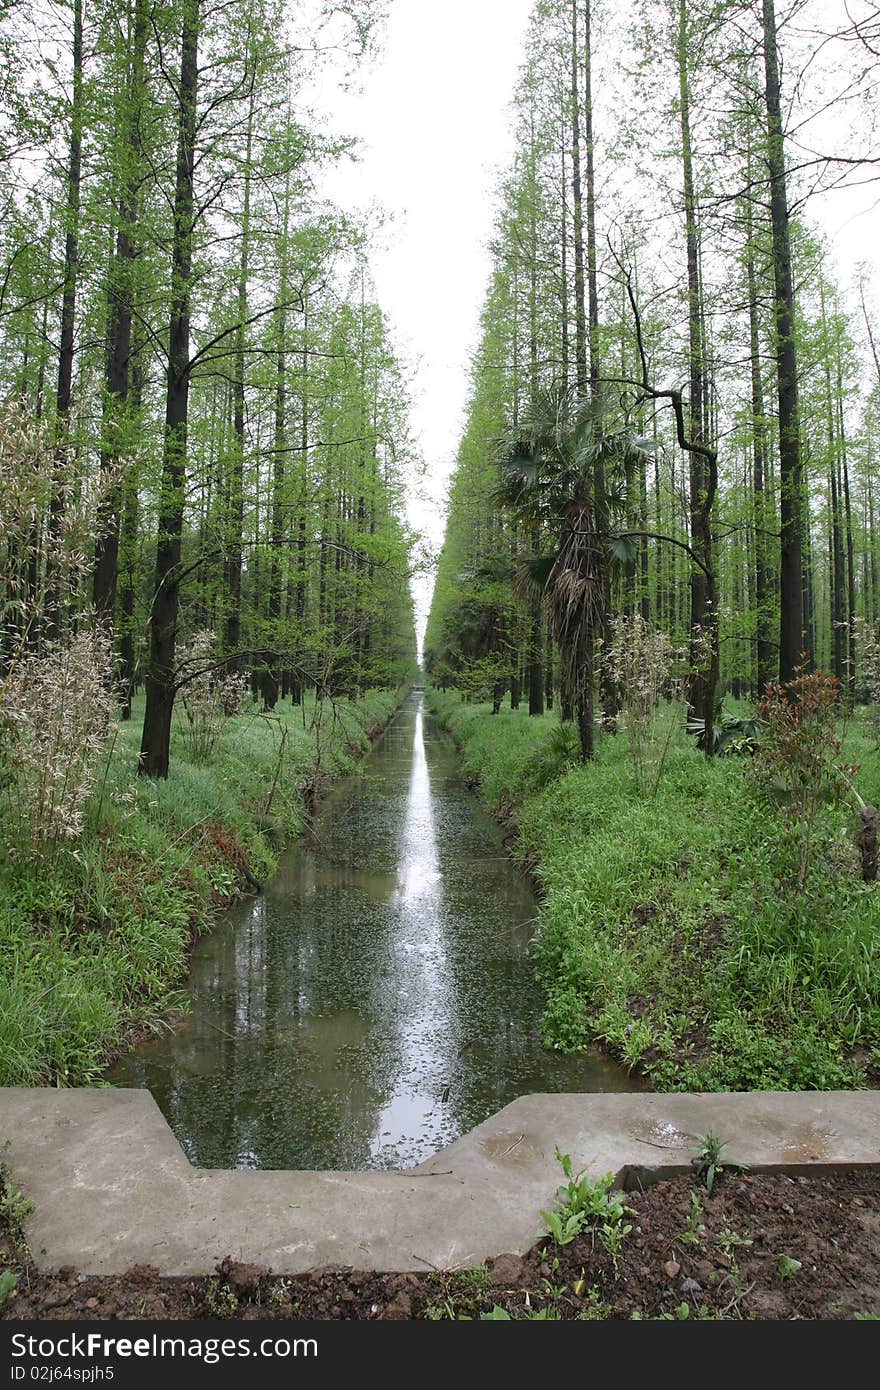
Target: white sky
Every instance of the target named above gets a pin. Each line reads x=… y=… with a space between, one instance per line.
x=433 y=117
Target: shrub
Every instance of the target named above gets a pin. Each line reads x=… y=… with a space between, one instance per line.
x=560 y=751
x=209 y=697
x=56 y=709
x=33 y=470
x=797 y=762
x=641 y=661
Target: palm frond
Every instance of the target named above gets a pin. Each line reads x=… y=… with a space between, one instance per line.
x=623 y=549
x=530 y=576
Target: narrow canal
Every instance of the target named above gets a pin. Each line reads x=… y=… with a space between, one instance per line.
x=377 y=1001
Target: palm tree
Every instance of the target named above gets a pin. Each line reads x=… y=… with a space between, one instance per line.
x=549 y=467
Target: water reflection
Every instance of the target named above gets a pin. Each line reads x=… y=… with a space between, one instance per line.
x=426 y=1013
x=377 y=1001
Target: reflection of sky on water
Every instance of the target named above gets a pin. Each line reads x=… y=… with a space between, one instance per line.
x=426 y=1017
x=377 y=1001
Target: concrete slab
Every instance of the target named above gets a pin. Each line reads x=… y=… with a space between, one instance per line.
x=112 y=1187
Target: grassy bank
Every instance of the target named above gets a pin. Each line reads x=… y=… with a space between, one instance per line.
x=670 y=930
x=94 y=943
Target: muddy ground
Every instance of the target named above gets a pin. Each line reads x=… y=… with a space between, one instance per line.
x=755 y=1247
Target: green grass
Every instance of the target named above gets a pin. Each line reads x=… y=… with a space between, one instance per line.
x=96 y=942
x=669 y=929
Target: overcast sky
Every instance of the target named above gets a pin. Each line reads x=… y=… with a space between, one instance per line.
x=433 y=117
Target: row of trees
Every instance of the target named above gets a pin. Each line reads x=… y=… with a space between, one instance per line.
x=673 y=410
x=190 y=342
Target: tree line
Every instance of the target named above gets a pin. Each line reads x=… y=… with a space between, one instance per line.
x=196 y=377
x=674 y=405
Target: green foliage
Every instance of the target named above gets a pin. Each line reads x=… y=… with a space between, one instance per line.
x=584 y=1203
x=504 y=752
x=730 y=1241
x=557 y=754
x=14 y=1212
x=707 y=1159
x=787 y=1267
x=8 y=1282
x=549 y=465
x=694 y=1232
x=732 y=735
x=208 y=699
x=642 y=662
x=55 y=718
x=797 y=761
x=458 y=1298
x=221 y=1300
x=547 y=1313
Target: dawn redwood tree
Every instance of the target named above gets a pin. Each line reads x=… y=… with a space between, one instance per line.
x=766 y=659
x=278 y=477
x=791 y=599
x=64 y=390
x=213 y=100
x=160 y=684
x=702 y=487
x=121 y=309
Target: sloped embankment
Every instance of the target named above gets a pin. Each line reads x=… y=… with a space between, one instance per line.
x=669 y=930
x=95 y=944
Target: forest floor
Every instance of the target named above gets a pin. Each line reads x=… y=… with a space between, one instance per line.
x=756 y=1247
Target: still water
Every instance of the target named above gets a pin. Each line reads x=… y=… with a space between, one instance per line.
x=377 y=1001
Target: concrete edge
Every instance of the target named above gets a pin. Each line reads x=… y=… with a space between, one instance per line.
x=112 y=1187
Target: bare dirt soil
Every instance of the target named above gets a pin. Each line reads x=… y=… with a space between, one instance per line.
x=756 y=1247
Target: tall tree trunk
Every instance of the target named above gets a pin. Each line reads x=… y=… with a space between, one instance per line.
x=704 y=618
x=534 y=653
x=837 y=567
x=644 y=570
x=767 y=662
x=302 y=572
x=610 y=694
x=129 y=568
x=766 y=647
x=64 y=391
x=850 y=676
x=563 y=265
x=577 y=701
x=838 y=641
x=791 y=579
x=279 y=460
x=156 y=737
x=235 y=514
x=808 y=644
x=549 y=688
x=872 y=545
x=580 y=302
x=35 y=538
x=590 y=191
x=120 y=297
x=872 y=535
